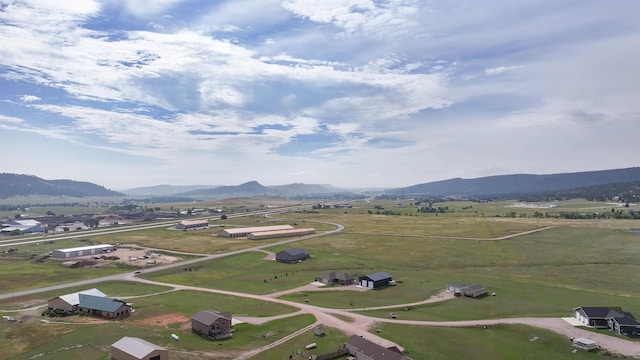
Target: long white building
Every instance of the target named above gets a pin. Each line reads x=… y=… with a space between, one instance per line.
x=82 y=251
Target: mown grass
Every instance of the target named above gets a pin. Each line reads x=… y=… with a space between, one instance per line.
x=189 y=302
x=497 y=342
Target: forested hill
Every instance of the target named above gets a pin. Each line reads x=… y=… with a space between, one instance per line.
x=520 y=183
x=23 y=185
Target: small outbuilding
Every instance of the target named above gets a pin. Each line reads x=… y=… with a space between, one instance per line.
x=133 y=348
x=212 y=324
x=292 y=256
x=374 y=281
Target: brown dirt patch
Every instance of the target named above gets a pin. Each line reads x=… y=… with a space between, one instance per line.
x=164 y=320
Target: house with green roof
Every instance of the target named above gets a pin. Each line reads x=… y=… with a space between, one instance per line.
x=103 y=306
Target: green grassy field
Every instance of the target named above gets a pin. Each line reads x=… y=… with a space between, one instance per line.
x=548 y=273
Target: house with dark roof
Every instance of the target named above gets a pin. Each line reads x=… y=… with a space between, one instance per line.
x=594 y=316
x=336 y=278
x=374 y=281
x=293 y=255
x=212 y=324
x=623 y=323
x=103 y=306
x=612 y=318
x=363 y=349
x=133 y=348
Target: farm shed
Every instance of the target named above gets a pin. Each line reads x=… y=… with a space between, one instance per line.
x=103 y=306
x=82 y=251
x=292 y=255
x=192 y=224
x=133 y=348
x=260 y=235
x=363 y=349
x=336 y=277
x=455 y=287
x=244 y=232
x=473 y=290
x=376 y=280
x=70 y=302
x=212 y=324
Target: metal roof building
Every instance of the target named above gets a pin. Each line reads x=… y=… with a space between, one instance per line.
x=70 y=302
x=133 y=348
x=243 y=232
x=280 y=233
x=25 y=226
x=82 y=251
x=192 y=224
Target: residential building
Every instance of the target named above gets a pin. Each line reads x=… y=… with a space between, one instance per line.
x=70 y=302
x=293 y=255
x=363 y=349
x=103 y=306
x=336 y=278
x=212 y=324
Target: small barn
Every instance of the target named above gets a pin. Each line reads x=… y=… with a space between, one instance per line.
x=70 y=302
x=133 y=348
x=212 y=324
x=293 y=255
x=103 y=306
x=374 y=281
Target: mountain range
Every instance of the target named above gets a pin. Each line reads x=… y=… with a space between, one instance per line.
x=490 y=186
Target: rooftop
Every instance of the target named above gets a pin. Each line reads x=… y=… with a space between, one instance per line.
x=136 y=347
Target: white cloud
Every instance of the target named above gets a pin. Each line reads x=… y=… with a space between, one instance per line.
x=500 y=70
x=29 y=98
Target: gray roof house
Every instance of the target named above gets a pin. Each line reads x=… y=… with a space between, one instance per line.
x=293 y=255
x=364 y=349
x=103 y=306
x=336 y=277
x=212 y=324
x=133 y=348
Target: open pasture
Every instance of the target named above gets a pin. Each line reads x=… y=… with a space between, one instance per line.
x=93 y=340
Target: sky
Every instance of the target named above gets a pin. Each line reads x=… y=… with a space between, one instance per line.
x=352 y=93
